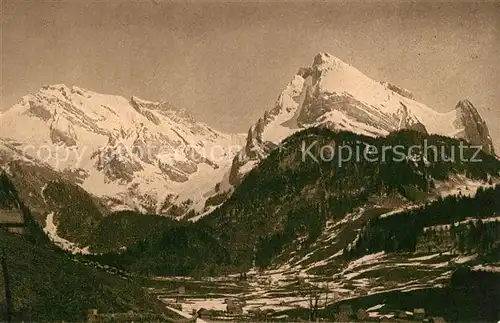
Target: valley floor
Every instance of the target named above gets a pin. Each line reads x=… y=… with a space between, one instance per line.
x=273 y=292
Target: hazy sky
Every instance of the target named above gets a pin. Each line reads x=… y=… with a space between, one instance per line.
x=226 y=62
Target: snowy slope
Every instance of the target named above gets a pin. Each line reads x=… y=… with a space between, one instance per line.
x=132 y=153
x=336 y=95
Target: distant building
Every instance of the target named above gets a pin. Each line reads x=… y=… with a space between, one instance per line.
x=402 y=315
x=234 y=308
x=419 y=314
x=92 y=315
x=12 y=221
x=268 y=311
x=203 y=313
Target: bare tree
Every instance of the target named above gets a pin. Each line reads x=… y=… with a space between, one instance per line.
x=327 y=290
x=314 y=297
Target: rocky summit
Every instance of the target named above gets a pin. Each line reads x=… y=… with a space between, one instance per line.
x=132 y=154
x=335 y=95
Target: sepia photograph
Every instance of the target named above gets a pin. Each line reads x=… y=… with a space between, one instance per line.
x=250 y=161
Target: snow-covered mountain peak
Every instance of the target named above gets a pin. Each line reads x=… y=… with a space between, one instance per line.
x=332 y=74
x=124 y=149
x=336 y=95
x=326 y=61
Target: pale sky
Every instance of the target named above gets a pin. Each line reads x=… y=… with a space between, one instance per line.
x=226 y=62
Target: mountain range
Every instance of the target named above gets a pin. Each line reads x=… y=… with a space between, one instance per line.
x=155 y=158
x=133 y=188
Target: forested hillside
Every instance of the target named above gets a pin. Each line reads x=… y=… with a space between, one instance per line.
x=460 y=223
x=286 y=200
x=46 y=284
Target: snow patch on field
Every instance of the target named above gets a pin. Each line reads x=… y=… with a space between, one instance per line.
x=366 y=260
x=374 y=308
x=185 y=315
x=210 y=304
x=425 y=257
x=464 y=259
x=489 y=268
